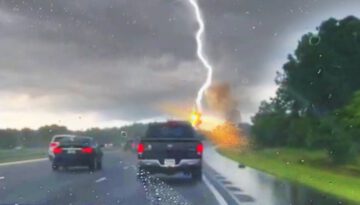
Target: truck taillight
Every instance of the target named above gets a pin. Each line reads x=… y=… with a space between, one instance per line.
x=57 y=150
x=87 y=150
x=199 y=149
x=140 y=148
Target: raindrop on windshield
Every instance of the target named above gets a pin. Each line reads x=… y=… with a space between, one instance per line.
x=314 y=40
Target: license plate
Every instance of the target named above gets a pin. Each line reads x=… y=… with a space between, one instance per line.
x=71 y=151
x=169 y=162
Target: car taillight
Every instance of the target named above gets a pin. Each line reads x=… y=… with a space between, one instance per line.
x=87 y=150
x=140 y=148
x=199 y=149
x=57 y=150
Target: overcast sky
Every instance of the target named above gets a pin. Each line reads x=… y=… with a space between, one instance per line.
x=104 y=63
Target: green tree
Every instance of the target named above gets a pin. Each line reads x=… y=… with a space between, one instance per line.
x=313 y=106
x=48 y=131
x=323 y=73
x=8 y=138
x=270 y=124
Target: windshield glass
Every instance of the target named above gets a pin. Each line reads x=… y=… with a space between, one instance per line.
x=180 y=102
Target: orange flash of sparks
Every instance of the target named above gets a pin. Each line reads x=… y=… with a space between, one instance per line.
x=195 y=118
x=228 y=135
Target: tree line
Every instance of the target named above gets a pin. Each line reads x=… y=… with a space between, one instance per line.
x=317 y=103
x=11 y=138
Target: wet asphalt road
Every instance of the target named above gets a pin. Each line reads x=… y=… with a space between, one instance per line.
x=223 y=183
x=36 y=183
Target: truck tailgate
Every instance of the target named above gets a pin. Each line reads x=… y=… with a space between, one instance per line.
x=170 y=149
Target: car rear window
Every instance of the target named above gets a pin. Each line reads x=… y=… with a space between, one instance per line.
x=75 y=141
x=58 y=139
x=170 y=130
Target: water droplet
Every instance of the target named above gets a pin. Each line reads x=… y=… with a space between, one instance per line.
x=314 y=40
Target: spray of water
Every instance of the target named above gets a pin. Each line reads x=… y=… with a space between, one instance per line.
x=200 y=54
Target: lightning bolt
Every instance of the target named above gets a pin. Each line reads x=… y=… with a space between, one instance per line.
x=200 y=54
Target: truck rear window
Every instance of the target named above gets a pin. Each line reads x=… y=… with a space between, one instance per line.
x=175 y=131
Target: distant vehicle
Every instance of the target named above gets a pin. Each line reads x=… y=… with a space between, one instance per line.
x=169 y=148
x=131 y=145
x=108 y=145
x=55 y=142
x=77 y=151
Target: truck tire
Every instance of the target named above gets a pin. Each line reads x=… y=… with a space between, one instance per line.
x=196 y=174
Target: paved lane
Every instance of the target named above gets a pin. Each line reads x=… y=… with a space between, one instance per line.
x=36 y=183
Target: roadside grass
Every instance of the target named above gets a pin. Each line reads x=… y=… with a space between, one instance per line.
x=10 y=155
x=307 y=167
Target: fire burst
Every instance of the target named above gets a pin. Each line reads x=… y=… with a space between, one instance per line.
x=201 y=55
x=195 y=118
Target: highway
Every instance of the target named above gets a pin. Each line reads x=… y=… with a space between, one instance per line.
x=35 y=183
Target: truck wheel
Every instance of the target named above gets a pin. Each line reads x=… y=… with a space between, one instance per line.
x=196 y=174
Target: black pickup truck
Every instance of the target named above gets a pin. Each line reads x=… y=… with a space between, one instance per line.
x=169 y=148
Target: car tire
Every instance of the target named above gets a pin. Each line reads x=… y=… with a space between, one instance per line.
x=99 y=165
x=93 y=165
x=54 y=167
x=196 y=174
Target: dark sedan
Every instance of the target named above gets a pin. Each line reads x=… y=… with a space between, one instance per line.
x=77 y=151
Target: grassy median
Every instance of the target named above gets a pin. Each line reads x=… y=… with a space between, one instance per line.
x=311 y=168
x=9 y=155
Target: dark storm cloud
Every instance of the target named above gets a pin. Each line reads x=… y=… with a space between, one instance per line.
x=123 y=58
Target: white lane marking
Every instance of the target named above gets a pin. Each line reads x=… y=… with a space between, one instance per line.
x=2 y=178
x=216 y=193
x=100 y=180
x=22 y=162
